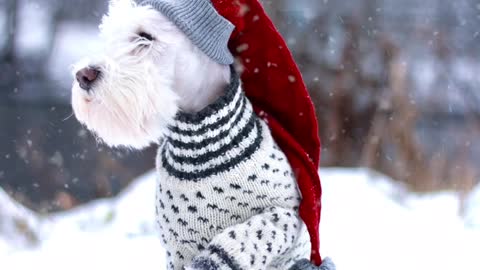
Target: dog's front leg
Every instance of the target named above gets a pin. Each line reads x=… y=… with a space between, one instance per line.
x=253 y=244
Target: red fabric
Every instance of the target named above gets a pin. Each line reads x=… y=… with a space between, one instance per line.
x=274 y=85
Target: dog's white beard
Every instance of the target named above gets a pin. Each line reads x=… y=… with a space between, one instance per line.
x=131 y=104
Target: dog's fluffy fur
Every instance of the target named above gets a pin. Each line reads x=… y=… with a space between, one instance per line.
x=143 y=83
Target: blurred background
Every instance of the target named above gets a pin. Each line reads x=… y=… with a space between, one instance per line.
x=396 y=88
x=395 y=84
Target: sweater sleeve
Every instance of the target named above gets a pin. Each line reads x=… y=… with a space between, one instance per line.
x=252 y=244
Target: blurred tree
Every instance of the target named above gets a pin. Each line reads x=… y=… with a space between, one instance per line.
x=43 y=150
x=7 y=51
x=379 y=71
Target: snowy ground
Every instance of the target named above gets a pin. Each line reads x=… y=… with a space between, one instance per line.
x=369 y=222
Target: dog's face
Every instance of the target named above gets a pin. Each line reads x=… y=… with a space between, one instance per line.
x=126 y=95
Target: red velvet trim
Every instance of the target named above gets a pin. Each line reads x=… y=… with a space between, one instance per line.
x=274 y=85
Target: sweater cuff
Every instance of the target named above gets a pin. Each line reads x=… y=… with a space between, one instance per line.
x=214 y=258
x=327 y=264
x=203 y=263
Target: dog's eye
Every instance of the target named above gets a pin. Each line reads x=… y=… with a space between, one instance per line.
x=145 y=35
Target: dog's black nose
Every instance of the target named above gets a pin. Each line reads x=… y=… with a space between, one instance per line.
x=86 y=77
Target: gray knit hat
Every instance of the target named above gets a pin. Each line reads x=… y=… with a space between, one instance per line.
x=202 y=24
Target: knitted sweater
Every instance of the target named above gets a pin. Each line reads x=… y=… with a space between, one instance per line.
x=226 y=195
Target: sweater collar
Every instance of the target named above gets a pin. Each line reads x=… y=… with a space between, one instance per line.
x=224 y=105
x=213 y=140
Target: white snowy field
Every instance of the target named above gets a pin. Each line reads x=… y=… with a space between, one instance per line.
x=368 y=222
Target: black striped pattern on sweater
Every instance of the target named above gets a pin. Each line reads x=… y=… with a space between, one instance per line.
x=214 y=140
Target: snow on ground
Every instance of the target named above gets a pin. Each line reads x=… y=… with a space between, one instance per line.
x=472 y=209
x=19 y=226
x=368 y=222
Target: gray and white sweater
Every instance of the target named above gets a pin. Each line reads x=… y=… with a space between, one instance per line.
x=226 y=194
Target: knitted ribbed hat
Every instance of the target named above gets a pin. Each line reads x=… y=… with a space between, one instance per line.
x=202 y=24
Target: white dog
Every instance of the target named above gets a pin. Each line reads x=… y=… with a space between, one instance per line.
x=148 y=72
x=226 y=196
